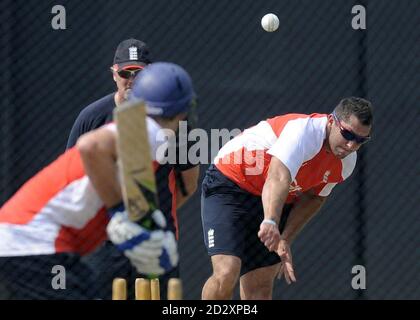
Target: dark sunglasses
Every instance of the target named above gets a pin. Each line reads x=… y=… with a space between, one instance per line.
x=127 y=74
x=349 y=135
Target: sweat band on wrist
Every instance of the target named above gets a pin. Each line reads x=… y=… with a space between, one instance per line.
x=270 y=221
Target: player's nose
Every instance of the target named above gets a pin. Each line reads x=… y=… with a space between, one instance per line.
x=352 y=145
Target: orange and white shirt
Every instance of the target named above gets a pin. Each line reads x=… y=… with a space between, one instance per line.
x=57 y=210
x=295 y=139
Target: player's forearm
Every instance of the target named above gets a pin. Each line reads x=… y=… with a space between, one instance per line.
x=302 y=212
x=275 y=190
x=98 y=157
x=274 y=195
x=103 y=175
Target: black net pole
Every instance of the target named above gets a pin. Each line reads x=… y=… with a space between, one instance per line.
x=360 y=176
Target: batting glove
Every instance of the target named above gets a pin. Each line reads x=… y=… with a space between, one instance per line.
x=150 y=251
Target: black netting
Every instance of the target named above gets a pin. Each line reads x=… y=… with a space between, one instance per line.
x=242 y=75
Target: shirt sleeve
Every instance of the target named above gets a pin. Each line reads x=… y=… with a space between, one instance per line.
x=298 y=142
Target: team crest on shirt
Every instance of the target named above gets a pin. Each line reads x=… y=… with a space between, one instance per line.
x=326 y=175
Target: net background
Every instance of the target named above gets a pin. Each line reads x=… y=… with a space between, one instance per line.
x=242 y=75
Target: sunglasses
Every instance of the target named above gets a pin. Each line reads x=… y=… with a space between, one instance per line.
x=127 y=74
x=349 y=135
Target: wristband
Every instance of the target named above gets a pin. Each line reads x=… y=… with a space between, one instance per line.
x=270 y=221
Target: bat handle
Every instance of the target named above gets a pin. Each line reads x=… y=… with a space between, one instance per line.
x=147 y=222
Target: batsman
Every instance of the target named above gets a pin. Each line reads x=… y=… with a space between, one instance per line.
x=71 y=206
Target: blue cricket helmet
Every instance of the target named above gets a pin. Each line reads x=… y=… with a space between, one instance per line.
x=165 y=87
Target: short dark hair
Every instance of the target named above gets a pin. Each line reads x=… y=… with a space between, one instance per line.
x=359 y=107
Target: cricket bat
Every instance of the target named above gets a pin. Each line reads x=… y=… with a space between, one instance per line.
x=135 y=162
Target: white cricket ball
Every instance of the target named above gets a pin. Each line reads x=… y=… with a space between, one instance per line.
x=270 y=22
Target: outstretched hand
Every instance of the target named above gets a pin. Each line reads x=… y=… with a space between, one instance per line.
x=286 y=265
